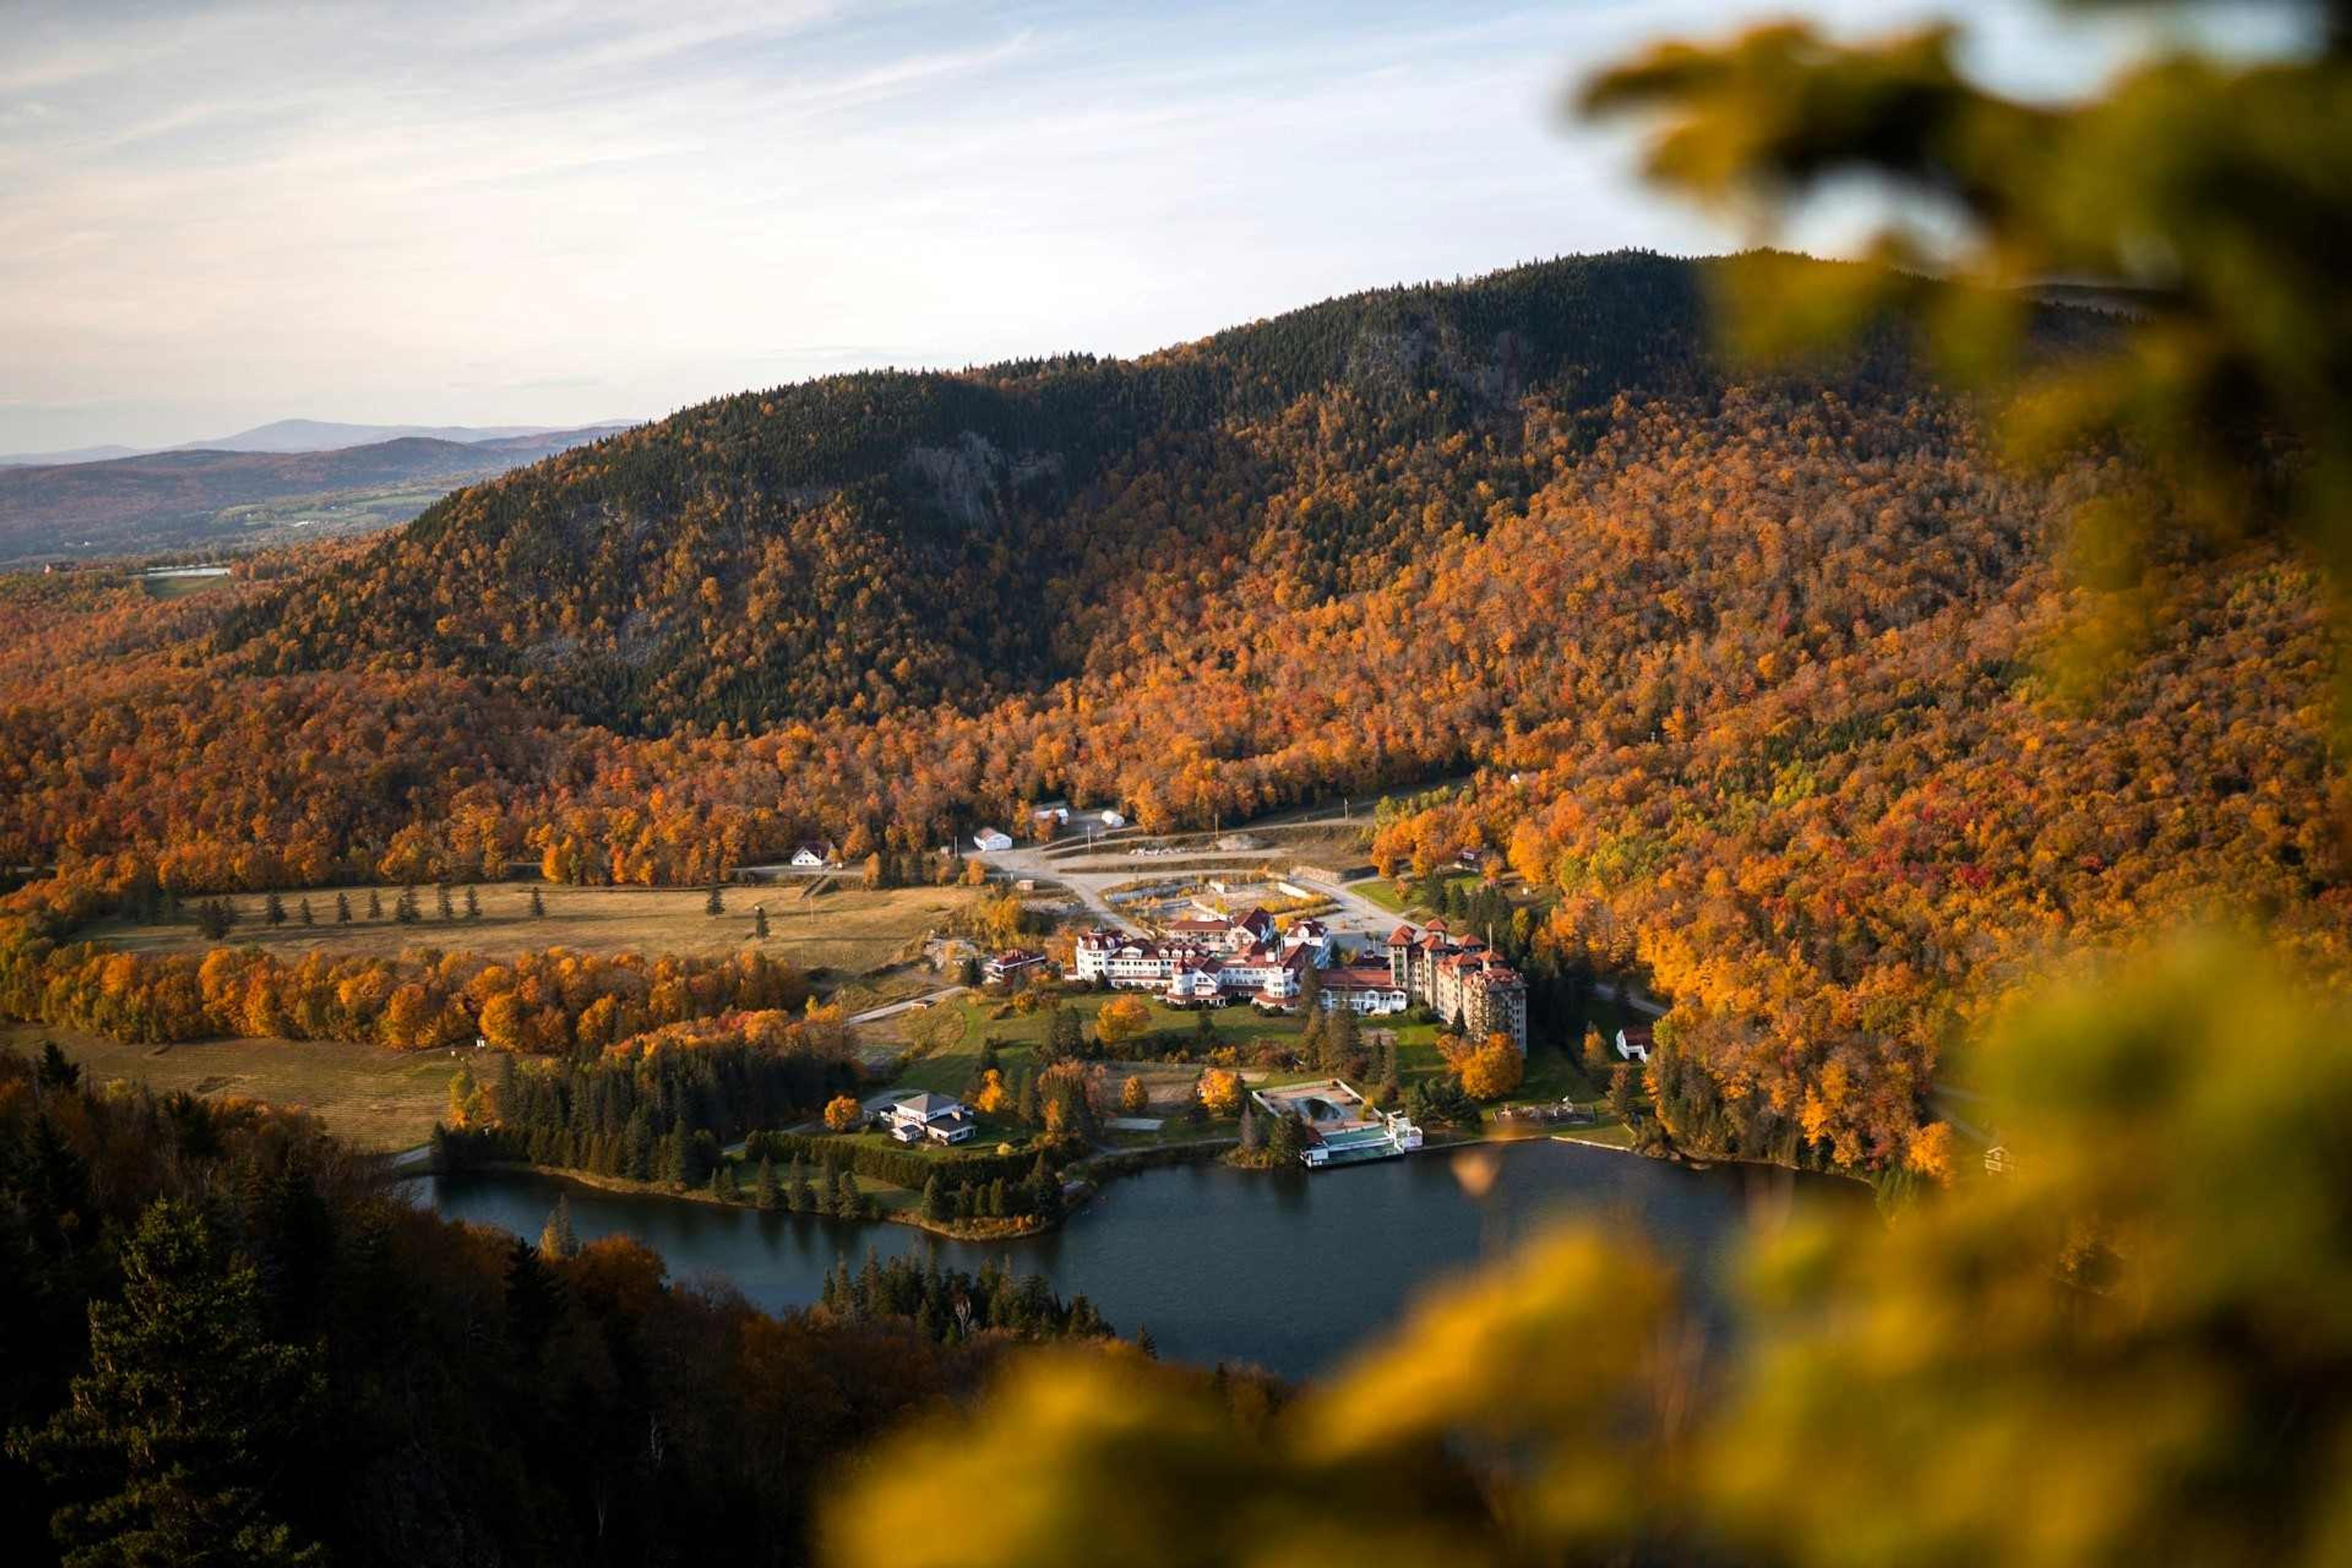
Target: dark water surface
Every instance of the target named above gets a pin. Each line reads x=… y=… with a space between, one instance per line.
x=1290 y=1270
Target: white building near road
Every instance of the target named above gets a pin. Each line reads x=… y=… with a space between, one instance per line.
x=989 y=840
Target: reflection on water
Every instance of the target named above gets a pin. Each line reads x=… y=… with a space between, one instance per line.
x=1287 y=1269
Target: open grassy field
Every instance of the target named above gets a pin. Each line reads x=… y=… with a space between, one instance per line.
x=372 y=1097
x=1023 y=1030
x=848 y=930
x=949 y=1039
x=1396 y=899
x=179 y=587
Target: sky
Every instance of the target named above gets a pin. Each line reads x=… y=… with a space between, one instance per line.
x=560 y=211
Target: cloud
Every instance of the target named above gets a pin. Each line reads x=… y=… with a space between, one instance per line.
x=536 y=212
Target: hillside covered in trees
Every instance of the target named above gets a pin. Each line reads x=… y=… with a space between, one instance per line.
x=1751 y=672
x=227 y=1341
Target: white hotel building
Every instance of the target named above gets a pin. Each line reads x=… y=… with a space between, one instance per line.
x=1206 y=961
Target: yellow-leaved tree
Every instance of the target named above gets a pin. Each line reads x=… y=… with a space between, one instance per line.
x=2125 y=1340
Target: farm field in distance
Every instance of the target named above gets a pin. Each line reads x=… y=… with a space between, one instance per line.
x=375 y=1098
x=846 y=931
x=382 y=1100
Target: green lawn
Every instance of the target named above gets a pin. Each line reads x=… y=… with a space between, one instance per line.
x=1609 y=1134
x=1553 y=1070
x=1394 y=898
x=947 y=1068
x=1018 y=1034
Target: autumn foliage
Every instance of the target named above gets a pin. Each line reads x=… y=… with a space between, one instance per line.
x=1220 y=1091
x=1752 y=679
x=550 y=1001
x=1493 y=1069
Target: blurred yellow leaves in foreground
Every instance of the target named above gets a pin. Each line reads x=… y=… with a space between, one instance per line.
x=2136 y=1348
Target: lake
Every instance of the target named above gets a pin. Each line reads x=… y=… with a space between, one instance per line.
x=1290 y=1270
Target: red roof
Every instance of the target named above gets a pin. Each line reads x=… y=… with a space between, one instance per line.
x=1401 y=936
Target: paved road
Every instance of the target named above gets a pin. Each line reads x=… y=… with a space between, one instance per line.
x=892 y=1009
x=1032 y=860
x=1091 y=878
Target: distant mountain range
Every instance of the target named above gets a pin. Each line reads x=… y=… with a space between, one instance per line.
x=177 y=498
x=303 y=436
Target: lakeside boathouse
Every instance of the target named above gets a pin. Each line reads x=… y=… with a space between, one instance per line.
x=1341 y=1129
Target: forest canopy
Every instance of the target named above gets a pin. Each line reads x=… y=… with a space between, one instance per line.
x=1754 y=672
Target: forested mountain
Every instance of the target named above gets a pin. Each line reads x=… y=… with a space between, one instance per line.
x=1752 y=671
x=879 y=541
x=221 y=1328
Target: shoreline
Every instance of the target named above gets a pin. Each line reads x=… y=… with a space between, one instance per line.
x=1096 y=1175
x=627 y=1188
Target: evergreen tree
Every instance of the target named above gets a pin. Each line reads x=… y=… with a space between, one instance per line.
x=375 y=905
x=557 y=1238
x=534 y=1299
x=1064 y=1035
x=441 y=905
x=214 y=917
x=764 y=1191
x=538 y=905
x=473 y=903
x=166 y=1450
x=935 y=1199
x=273 y=910
x=1345 y=1035
x=799 y=1194
x=1285 y=1141
x=759 y=921
x=715 y=904
x=639 y=1155
x=405 y=909
x=342 y=908
x=722 y=1182
x=1045 y=1191
x=1253 y=1130
x=679 y=1166
x=1145 y=1343
x=54 y=1071
x=302 y=911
